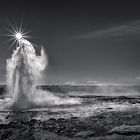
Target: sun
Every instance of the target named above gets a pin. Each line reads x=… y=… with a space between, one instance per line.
x=16 y=34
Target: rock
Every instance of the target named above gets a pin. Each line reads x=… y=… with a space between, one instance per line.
x=109 y=108
x=7 y=117
x=6 y=134
x=85 y=134
x=116 y=137
x=52 y=119
x=126 y=130
x=45 y=135
x=32 y=122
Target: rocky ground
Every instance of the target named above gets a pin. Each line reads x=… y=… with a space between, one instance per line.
x=110 y=124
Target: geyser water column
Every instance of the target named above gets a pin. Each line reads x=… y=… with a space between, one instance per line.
x=23 y=69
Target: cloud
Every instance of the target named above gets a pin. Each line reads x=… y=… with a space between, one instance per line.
x=138 y=78
x=129 y=30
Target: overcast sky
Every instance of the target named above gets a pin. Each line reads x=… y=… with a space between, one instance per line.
x=84 y=40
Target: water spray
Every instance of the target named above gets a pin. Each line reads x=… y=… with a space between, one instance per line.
x=23 y=70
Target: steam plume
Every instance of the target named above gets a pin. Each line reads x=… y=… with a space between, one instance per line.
x=23 y=69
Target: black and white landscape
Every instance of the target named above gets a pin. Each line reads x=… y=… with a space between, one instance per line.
x=69 y=70
x=96 y=118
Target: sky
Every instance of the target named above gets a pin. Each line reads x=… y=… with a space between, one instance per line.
x=86 y=41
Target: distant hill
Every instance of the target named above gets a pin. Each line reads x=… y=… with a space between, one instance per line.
x=103 y=90
x=94 y=89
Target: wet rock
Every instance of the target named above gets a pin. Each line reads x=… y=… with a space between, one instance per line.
x=7 y=117
x=109 y=108
x=117 y=137
x=6 y=134
x=3 y=126
x=85 y=134
x=52 y=119
x=32 y=122
x=126 y=130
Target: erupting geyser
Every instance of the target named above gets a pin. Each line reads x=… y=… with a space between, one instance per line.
x=23 y=70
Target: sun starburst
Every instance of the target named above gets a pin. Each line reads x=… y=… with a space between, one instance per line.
x=16 y=33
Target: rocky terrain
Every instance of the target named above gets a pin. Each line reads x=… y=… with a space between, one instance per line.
x=111 y=118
